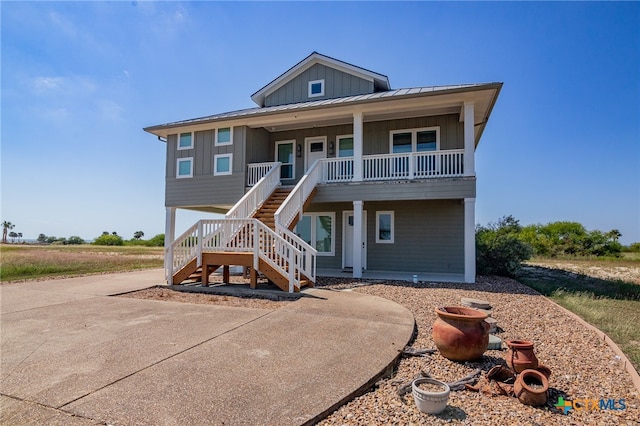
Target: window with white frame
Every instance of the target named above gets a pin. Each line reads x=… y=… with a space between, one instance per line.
x=316 y=88
x=345 y=146
x=285 y=155
x=384 y=227
x=185 y=140
x=222 y=164
x=415 y=140
x=318 y=230
x=224 y=136
x=184 y=167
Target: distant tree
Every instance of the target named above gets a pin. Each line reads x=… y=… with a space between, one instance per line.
x=108 y=240
x=19 y=236
x=635 y=247
x=51 y=239
x=74 y=239
x=6 y=226
x=138 y=234
x=114 y=233
x=13 y=236
x=105 y=232
x=614 y=234
x=42 y=238
x=157 y=241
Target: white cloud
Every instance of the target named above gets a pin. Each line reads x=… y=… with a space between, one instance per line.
x=58 y=85
x=63 y=25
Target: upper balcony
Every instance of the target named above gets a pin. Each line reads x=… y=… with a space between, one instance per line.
x=381 y=167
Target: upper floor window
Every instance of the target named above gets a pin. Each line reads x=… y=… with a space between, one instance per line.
x=222 y=164
x=415 y=140
x=184 y=167
x=345 y=146
x=284 y=154
x=224 y=136
x=185 y=140
x=316 y=88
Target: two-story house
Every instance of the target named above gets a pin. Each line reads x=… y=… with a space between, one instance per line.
x=332 y=171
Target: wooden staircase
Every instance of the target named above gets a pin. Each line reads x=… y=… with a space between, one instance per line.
x=191 y=272
x=269 y=207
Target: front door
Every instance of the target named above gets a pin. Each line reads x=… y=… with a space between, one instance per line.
x=347 y=237
x=316 y=149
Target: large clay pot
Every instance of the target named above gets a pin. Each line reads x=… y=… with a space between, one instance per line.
x=520 y=355
x=531 y=387
x=460 y=334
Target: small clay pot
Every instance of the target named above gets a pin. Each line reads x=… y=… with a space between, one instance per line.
x=531 y=387
x=460 y=334
x=520 y=355
x=544 y=370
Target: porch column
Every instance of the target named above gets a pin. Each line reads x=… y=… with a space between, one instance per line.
x=357 y=239
x=469 y=140
x=169 y=237
x=357 y=146
x=469 y=240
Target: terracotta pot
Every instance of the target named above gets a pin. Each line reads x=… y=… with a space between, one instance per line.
x=520 y=355
x=531 y=387
x=460 y=334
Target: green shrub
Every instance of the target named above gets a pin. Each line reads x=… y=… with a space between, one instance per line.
x=499 y=250
x=156 y=241
x=108 y=240
x=74 y=239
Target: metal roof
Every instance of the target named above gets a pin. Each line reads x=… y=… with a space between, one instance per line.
x=371 y=97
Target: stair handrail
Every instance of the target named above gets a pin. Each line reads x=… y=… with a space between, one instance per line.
x=293 y=205
x=258 y=194
x=278 y=253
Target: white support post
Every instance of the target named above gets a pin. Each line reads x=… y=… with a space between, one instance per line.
x=357 y=146
x=199 y=238
x=469 y=240
x=469 y=140
x=256 y=244
x=169 y=238
x=357 y=239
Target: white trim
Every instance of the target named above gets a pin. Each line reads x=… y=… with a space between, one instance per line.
x=311 y=84
x=293 y=162
x=180 y=148
x=346 y=213
x=312 y=216
x=393 y=231
x=183 y=160
x=217 y=143
x=337 y=148
x=414 y=137
x=215 y=164
x=307 y=145
x=358 y=138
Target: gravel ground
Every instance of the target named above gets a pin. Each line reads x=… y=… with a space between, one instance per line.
x=582 y=365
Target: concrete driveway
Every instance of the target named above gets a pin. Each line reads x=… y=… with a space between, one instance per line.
x=71 y=353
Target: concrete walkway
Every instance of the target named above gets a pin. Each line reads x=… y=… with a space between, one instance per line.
x=73 y=355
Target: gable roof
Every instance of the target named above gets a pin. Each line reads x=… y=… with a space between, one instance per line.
x=380 y=81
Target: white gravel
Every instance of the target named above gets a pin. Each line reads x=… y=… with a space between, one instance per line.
x=582 y=365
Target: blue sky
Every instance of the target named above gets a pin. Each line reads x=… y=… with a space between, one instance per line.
x=81 y=79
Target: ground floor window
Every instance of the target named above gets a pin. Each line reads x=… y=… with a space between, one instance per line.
x=318 y=230
x=222 y=164
x=384 y=227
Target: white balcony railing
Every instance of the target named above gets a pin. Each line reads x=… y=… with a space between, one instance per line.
x=414 y=165
x=256 y=171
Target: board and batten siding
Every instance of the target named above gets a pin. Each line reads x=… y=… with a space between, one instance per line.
x=336 y=84
x=429 y=236
x=376 y=133
x=205 y=189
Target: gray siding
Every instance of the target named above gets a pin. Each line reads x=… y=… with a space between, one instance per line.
x=205 y=189
x=259 y=148
x=427 y=189
x=376 y=134
x=336 y=84
x=429 y=236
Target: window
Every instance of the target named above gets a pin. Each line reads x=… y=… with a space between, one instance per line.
x=222 y=164
x=284 y=154
x=185 y=141
x=184 y=167
x=415 y=140
x=318 y=230
x=224 y=136
x=384 y=227
x=345 y=146
x=316 y=88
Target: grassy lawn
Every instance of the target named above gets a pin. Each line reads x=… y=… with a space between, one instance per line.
x=25 y=262
x=604 y=292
